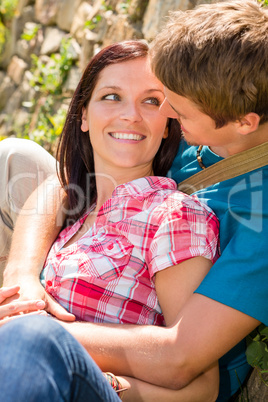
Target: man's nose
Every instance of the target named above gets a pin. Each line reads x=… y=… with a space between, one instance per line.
x=167 y=111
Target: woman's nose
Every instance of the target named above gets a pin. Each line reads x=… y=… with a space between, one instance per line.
x=130 y=112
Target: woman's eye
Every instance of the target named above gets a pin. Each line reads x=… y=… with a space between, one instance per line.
x=113 y=97
x=153 y=101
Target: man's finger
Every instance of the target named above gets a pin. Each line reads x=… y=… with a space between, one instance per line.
x=19 y=307
x=6 y=292
x=11 y=299
x=58 y=311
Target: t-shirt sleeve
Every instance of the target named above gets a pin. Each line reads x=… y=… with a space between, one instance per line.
x=239 y=278
x=185 y=229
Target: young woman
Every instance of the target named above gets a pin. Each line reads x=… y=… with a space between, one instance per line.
x=134 y=248
x=132 y=223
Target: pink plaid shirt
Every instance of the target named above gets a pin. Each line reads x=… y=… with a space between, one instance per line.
x=145 y=227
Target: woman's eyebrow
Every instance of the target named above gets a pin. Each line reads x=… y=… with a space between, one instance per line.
x=113 y=87
x=117 y=88
x=155 y=90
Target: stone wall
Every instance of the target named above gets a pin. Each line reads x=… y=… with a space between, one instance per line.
x=90 y=24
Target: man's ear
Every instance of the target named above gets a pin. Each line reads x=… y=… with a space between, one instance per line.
x=84 y=125
x=248 y=123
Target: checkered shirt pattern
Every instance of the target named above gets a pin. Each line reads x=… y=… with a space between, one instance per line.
x=145 y=227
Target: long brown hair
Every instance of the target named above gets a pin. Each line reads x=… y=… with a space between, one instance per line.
x=75 y=154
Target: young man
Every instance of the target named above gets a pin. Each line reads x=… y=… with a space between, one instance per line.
x=213 y=61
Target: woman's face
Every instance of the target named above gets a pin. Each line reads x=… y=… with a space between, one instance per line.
x=123 y=119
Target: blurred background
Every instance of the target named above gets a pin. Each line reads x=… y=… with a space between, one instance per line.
x=46 y=44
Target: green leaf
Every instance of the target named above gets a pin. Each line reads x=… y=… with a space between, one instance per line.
x=263 y=330
x=254 y=353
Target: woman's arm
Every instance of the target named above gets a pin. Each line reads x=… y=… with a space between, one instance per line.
x=174 y=285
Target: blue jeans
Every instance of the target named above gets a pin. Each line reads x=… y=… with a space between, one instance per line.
x=40 y=361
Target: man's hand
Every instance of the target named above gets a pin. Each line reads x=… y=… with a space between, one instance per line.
x=30 y=288
x=9 y=311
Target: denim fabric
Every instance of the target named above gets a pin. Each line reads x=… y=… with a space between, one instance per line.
x=40 y=361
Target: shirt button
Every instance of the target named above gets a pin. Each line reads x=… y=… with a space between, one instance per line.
x=110 y=247
x=49 y=283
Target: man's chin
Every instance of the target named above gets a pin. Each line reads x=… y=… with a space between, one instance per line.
x=189 y=141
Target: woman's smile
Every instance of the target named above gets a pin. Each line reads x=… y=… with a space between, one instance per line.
x=127 y=137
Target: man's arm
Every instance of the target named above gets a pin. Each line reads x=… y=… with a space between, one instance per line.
x=174 y=286
x=170 y=357
x=37 y=226
x=204 y=388
x=203 y=331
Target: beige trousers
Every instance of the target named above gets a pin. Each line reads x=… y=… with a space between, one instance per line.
x=23 y=166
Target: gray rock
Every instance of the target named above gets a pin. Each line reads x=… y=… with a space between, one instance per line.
x=159 y=9
x=13 y=103
x=87 y=48
x=119 y=28
x=24 y=3
x=137 y=9
x=74 y=49
x=66 y=12
x=83 y=14
x=72 y=80
x=27 y=91
x=52 y=41
x=7 y=87
x=255 y=390
x=25 y=48
x=46 y=11
x=19 y=21
x=16 y=69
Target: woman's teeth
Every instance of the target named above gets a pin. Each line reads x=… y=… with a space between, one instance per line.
x=125 y=136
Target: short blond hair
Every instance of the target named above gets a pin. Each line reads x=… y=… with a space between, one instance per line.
x=217 y=56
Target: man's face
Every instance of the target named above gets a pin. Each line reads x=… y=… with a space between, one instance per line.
x=197 y=127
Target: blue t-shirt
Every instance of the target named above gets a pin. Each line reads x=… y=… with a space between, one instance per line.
x=239 y=278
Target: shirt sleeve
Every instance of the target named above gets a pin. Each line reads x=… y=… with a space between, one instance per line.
x=185 y=229
x=239 y=278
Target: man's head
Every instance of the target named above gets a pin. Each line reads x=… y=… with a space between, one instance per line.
x=217 y=57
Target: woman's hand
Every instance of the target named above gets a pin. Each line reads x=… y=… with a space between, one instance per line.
x=15 y=308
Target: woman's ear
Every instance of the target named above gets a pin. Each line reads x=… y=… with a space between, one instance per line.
x=248 y=123
x=84 y=125
x=165 y=135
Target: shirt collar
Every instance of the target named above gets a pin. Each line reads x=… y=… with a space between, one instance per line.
x=144 y=186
